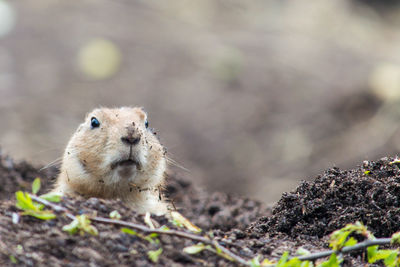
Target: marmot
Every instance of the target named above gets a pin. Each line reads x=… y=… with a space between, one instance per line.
x=114 y=154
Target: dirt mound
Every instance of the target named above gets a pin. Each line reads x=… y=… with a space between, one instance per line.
x=16 y=176
x=303 y=217
x=370 y=194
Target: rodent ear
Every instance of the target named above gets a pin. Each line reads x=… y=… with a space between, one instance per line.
x=142 y=113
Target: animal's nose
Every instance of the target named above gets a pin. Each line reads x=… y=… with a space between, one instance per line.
x=130 y=140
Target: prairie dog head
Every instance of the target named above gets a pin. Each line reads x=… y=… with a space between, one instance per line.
x=112 y=153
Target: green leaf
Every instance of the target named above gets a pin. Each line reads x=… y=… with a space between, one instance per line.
x=52 y=197
x=148 y=221
x=255 y=262
x=218 y=249
x=90 y=229
x=282 y=261
x=24 y=201
x=154 y=254
x=372 y=252
x=82 y=224
x=350 y=242
x=294 y=262
x=85 y=225
x=302 y=251
x=36 y=186
x=13 y=259
x=71 y=228
x=332 y=262
x=267 y=262
x=306 y=264
x=153 y=235
x=391 y=259
x=129 y=231
x=38 y=206
x=151 y=238
x=164 y=228
x=194 y=249
x=41 y=214
x=338 y=239
x=395 y=161
x=179 y=220
x=383 y=253
x=396 y=238
x=115 y=215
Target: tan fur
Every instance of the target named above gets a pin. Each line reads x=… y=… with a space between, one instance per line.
x=89 y=164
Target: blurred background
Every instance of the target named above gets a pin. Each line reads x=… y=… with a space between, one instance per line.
x=250 y=96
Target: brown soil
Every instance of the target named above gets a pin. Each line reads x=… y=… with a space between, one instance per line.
x=370 y=194
x=303 y=217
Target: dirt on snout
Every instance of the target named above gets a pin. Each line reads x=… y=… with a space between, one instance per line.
x=302 y=218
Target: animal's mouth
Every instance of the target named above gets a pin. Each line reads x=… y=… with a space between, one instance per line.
x=126 y=163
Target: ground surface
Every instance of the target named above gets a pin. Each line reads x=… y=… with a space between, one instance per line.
x=303 y=217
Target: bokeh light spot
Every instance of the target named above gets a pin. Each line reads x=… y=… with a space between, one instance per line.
x=99 y=59
x=7 y=18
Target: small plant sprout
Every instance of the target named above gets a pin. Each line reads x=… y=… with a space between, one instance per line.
x=36 y=186
x=148 y=221
x=332 y=262
x=31 y=208
x=151 y=238
x=13 y=259
x=302 y=251
x=255 y=262
x=195 y=248
x=396 y=161
x=115 y=215
x=340 y=238
x=20 y=249
x=82 y=224
x=52 y=197
x=154 y=254
x=181 y=221
x=396 y=238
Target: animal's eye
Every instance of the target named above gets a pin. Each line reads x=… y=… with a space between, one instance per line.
x=94 y=123
x=146 y=123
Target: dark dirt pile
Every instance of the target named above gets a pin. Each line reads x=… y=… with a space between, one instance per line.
x=370 y=194
x=303 y=217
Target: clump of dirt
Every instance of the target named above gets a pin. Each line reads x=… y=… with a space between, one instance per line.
x=370 y=194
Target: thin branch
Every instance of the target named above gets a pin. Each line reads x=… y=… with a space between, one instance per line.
x=182 y=234
x=55 y=207
x=148 y=230
x=359 y=246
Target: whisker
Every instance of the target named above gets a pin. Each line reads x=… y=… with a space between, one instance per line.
x=53 y=163
x=176 y=164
